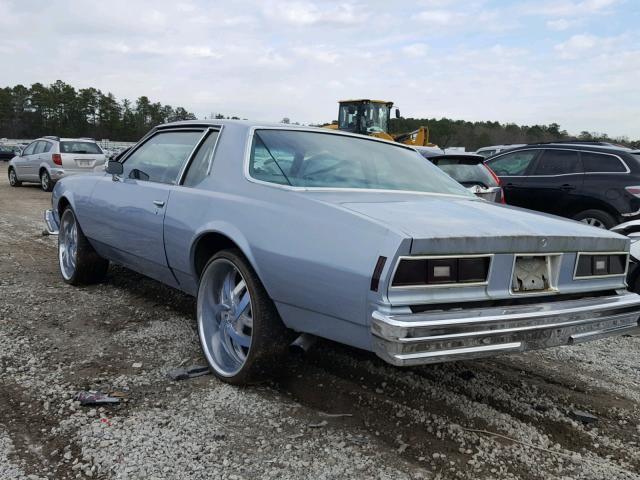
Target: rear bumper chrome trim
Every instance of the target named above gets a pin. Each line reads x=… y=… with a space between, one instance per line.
x=439 y=336
x=51 y=222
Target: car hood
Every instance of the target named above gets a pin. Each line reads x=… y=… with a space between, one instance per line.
x=446 y=224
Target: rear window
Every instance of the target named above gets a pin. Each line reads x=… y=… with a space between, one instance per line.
x=598 y=162
x=468 y=173
x=79 y=147
x=5 y=149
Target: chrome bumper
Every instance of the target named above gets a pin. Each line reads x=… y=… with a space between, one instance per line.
x=439 y=336
x=51 y=222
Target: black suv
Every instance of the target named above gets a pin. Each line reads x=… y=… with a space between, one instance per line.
x=596 y=183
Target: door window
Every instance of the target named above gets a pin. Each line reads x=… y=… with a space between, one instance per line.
x=515 y=163
x=558 y=162
x=161 y=157
x=200 y=164
x=30 y=149
x=40 y=146
x=598 y=162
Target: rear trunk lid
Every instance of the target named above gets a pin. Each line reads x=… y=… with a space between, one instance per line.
x=81 y=155
x=440 y=224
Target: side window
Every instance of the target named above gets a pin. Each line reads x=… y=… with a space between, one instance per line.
x=515 y=163
x=46 y=146
x=597 y=162
x=200 y=164
x=558 y=162
x=161 y=157
x=30 y=149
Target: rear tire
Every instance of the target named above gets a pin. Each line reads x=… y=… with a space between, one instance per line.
x=79 y=262
x=241 y=333
x=13 y=178
x=45 y=181
x=596 y=218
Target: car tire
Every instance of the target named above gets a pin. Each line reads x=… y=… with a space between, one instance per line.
x=242 y=338
x=596 y=218
x=45 y=181
x=13 y=178
x=79 y=263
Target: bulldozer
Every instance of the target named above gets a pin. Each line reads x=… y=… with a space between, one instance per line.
x=371 y=117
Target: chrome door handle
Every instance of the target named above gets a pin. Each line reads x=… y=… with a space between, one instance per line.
x=158 y=203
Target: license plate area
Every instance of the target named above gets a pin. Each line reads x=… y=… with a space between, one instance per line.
x=534 y=273
x=85 y=163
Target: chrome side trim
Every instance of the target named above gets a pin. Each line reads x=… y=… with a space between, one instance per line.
x=631 y=214
x=587 y=277
x=439 y=285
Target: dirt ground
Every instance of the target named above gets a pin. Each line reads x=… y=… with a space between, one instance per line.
x=336 y=412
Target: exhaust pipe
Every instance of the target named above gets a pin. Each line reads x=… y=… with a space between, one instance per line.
x=303 y=343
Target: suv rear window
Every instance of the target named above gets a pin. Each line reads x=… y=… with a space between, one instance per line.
x=79 y=147
x=598 y=162
x=466 y=172
x=558 y=162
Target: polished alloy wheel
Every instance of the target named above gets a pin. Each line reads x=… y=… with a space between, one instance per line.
x=44 y=181
x=594 y=222
x=68 y=245
x=225 y=318
x=12 y=177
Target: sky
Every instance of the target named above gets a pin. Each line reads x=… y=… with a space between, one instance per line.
x=573 y=62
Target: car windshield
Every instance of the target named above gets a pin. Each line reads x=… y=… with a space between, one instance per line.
x=5 y=149
x=324 y=160
x=79 y=147
x=468 y=172
x=637 y=155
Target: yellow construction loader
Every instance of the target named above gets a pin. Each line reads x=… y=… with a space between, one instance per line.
x=371 y=117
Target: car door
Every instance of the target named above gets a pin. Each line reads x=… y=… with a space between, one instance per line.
x=513 y=169
x=555 y=180
x=125 y=217
x=40 y=156
x=22 y=163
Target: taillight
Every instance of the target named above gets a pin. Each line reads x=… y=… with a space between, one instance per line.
x=412 y=272
x=57 y=158
x=635 y=191
x=498 y=181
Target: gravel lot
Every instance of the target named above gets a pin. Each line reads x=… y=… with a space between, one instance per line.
x=336 y=413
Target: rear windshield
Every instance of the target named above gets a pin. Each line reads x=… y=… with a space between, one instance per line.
x=5 y=149
x=323 y=160
x=79 y=147
x=467 y=172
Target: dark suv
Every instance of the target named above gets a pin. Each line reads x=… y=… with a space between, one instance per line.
x=596 y=183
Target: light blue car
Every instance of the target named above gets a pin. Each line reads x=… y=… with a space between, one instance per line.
x=285 y=233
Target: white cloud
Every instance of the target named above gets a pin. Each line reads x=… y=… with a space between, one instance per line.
x=583 y=44
x=415 y=50
x=562 y=8
x=559 y=25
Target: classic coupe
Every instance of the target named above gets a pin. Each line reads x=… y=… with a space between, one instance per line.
x=284 y=232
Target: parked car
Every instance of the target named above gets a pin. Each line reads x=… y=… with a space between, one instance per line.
x=469 y=170
x=486 y=152
x=282 y=231
x=631 y=229
x=595 y=184
x=48 y=159
x=7 y=152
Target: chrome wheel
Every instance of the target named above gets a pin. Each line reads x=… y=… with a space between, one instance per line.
x=225 y=321
x=12 y=178
x=44 y=181
x=594 y=222
x=68 y=245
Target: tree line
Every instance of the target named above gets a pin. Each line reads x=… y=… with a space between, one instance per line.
x=60 y=109
x=472 y=135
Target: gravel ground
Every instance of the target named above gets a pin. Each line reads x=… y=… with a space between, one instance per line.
x=335 y=413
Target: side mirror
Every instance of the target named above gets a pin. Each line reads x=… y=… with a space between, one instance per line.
x=114 y=168
x=397 y=113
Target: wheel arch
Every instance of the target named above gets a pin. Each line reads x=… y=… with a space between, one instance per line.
x=209 y=242
x=593 y=204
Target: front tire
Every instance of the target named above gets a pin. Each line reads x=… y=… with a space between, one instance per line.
x=79 y=262
x=13 y=178
x=241 y=333
x=596 y=218
x=45 y=181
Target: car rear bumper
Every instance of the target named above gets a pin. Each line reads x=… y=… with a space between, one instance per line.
x=51 y=222
x=439 y=336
